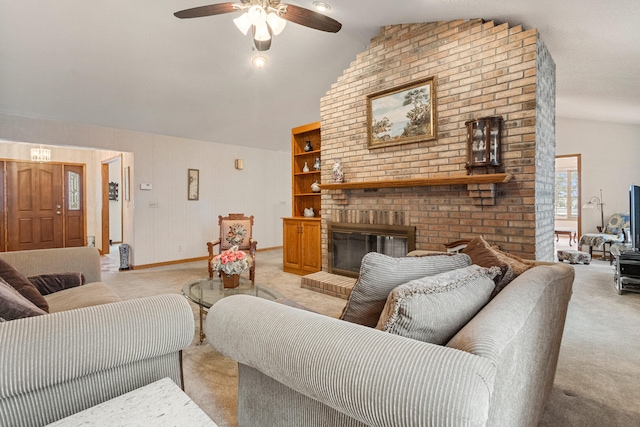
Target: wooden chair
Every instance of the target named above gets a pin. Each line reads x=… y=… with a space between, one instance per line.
x=235 y=230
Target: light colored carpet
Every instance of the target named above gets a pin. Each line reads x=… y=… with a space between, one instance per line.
x=596 y=381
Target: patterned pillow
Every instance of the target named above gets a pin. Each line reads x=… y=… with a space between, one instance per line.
x=433 y=309
x=617 y=223
x=380 y=274
x=15 y=306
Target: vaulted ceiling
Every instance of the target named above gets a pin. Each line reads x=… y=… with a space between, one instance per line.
x=133 y=65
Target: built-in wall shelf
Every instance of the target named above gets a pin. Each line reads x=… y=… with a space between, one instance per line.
x=493 y=178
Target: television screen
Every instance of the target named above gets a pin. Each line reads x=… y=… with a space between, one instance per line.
x=634 y=211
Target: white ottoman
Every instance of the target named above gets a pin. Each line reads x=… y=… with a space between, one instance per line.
x=574 y=257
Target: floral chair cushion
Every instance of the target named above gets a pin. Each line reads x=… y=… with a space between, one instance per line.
x=236 y=233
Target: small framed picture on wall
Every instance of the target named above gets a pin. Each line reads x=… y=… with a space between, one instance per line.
x=193 y=189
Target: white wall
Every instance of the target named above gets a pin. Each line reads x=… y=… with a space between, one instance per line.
x=177 y=229
x=610 y=156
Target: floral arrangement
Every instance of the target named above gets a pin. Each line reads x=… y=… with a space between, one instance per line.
x=231 y=261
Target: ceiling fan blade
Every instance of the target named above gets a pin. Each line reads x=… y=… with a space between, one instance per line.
x=212 y=9
x=311 y=19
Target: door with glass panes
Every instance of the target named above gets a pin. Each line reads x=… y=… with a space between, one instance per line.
x=45 y=206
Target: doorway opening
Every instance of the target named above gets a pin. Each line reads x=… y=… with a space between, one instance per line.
x=83 y=223
x=567 y=201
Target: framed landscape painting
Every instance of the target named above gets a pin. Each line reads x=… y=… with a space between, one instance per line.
x=403 y=114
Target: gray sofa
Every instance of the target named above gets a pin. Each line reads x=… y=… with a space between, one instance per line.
x=91 y=348
x=298 y=368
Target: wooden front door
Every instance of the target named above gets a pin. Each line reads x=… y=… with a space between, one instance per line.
x=37 y=217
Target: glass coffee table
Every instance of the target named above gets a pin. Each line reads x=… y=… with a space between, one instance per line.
x=206 y=292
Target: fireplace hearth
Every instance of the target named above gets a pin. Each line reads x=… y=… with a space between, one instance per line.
x=348 y=243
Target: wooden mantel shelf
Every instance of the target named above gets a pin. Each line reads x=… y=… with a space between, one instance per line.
x=493 y=178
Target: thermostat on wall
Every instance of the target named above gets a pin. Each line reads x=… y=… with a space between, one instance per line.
x=146 y=186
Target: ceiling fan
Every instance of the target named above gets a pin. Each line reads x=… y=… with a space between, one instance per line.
x=265 y=18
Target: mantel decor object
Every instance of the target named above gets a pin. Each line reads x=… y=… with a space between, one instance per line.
x=316 y=165
x=484 y=141
x=336 y=171
x=305 y=168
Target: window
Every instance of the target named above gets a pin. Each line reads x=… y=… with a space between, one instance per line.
x=567 y=194
x=74 y=191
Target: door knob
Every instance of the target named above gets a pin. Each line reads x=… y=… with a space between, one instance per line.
x=58 y=212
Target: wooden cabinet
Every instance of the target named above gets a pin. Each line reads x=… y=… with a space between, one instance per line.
x=301 y=254
x=301 y=234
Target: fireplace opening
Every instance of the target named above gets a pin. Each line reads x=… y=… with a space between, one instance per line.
x=348 y=243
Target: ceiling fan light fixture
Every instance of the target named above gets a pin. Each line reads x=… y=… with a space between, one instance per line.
x=259 y=62
x=321 y=6
x=276 y=23
x=243 y=23
x=262 y=32
x=257 y=15
x=266 y=18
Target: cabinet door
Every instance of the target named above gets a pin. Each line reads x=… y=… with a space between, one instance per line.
x=291 y=240
x=311 y=257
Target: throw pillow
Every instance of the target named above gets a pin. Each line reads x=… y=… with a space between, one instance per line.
x=433 y=309
x=484 y=255
x=15 y=306
x=22 y=285
x=380 y=274
x=617 y=223
x=519 y=265
x=54 y=282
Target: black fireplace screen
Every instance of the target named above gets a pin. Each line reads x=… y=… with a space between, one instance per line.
x=348 y=243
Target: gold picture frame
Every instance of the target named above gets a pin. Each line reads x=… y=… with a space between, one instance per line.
x=402 y=114
x=193 y=184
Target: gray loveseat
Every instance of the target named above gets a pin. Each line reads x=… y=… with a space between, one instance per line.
x=298 y=368
x=91 y=348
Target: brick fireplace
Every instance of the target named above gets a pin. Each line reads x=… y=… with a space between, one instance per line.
x=481 y=69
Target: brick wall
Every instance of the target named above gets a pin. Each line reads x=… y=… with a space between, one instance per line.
x=481 y=69
x=545 y=152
